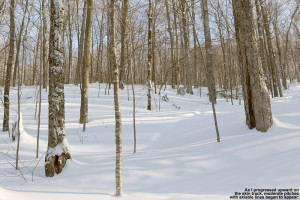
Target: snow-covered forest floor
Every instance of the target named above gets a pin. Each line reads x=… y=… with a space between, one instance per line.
x=177 y=155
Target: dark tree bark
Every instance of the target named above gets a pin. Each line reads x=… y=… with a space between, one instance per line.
x=209 y=54
x=255 y=93
x=150 y=60
x=261 y=45
x=170 y=31
x=86 y=64
x=188 y=74
x=9 y=66
x=124 y=25
x=271 y=57
x=209 y=64
x=44 y=57
x=78 y=74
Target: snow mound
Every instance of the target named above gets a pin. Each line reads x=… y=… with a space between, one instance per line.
x=25 y=138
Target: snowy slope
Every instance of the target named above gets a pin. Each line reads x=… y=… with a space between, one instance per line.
x=177 y=153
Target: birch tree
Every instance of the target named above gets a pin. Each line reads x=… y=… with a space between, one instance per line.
x=58 y=151
x=118 y=124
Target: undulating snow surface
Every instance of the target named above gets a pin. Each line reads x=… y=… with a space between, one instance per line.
x=177 y=156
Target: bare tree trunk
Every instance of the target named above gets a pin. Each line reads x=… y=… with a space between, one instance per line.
x=209 y=63
x=202 y=60
x=283 y=73
x=149 y=64
x=35 y=64
x=19 y=44
x=273 y=66
x=118 y=125
x=78 y=75
x=41 y=84
x=177 y=77
x=86 y=64
x=209 y=54
x=9 y=66
x=172 y=45
x=130 y=55
x=195 y=63
x=44 y=56
x=231 y=72
x=268 y=65
x=19 y=115
x=70 y=42
x=256 y=98
x=222 y=41
x=24 y=42
x=101 y=47
x=91 y=57
x=109 y=71
x=4 y=65
x=287 y=39
x=57 y=152
x=261 y=45
x=153 y=47
x=19 y=109
x=124 y=25
x=188 y=74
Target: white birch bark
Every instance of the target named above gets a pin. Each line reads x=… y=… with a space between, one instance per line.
x=58 y=151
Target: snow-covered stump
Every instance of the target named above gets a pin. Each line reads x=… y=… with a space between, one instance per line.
x=56 y=159
x=58 y=151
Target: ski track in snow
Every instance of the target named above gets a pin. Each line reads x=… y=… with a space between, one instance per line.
x=177 y=156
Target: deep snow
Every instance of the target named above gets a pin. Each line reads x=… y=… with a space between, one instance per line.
x=177 y=156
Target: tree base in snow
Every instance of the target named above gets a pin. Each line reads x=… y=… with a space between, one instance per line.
x=55 y=164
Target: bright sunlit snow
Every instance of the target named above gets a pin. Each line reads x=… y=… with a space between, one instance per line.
x=177 y=155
